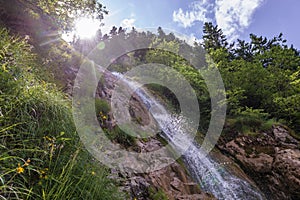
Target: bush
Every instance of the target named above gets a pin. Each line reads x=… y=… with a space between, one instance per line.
x=250 y=121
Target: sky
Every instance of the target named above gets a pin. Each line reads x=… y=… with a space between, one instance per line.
x=237 y=18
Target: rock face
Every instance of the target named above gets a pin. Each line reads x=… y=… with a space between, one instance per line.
x=172 y=180
x=272 y=159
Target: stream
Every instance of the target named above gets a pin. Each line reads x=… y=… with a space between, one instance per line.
x=205 y=170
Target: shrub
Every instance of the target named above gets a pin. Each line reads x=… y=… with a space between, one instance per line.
x=250 y=121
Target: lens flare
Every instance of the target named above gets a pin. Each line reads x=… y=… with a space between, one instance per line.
x=86 y=27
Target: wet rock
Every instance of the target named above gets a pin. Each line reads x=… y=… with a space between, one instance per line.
x=287 y=166
x=282 y=135
x=173 y=180
x=261 y=163
x=272 y=159
x=139 y=187
x=176 y=183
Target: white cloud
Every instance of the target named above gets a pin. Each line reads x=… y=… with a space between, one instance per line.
x=233 y=16
x=128 y=23
x=198 y=11
x=190 y=39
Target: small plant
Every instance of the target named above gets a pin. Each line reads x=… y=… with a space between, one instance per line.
x=101 y=106
x=250 y=121
x=157 y=195
x=122 y=137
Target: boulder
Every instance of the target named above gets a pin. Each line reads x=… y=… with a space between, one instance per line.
x=271 y=159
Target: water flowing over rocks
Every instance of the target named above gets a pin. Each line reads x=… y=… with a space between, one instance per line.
x=173 y=180
x=271 y=159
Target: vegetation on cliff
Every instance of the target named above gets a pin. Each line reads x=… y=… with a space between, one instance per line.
x=41 y=156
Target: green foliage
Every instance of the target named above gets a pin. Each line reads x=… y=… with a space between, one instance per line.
x=120 y=136
x=251 y=121
x=101 y=106
x=157 y=195
x=262 y=74
x=41 y=156
x=213 y=37
x=56 y=14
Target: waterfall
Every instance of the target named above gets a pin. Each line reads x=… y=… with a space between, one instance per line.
x=211 y=176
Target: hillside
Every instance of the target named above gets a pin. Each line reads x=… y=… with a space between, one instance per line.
x=52 y=91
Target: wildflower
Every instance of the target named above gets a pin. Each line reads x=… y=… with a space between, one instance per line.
x=104 y=117
x=20 y=169
x=27 y=162
x=43 y=173
x=93 y=173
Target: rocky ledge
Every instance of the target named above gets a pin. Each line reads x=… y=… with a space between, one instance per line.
x=271 y=159
x=173 y=181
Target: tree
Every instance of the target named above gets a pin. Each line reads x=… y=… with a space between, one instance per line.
x=260 y=74
x=213 y=37
x=39 y=16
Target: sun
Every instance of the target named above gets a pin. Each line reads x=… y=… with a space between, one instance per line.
x=86 y=27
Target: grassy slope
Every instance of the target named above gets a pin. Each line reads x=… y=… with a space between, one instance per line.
x=41 y=156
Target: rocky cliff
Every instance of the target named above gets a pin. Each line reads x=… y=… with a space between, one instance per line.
x=173 y=181
x=271 y=159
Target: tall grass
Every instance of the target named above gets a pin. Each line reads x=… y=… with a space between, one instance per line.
x=41 y=156
x=251 y=122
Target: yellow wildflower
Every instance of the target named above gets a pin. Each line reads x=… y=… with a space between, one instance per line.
x=26 y=163
x=93 y=173
x=20 y=169
x=43 y=173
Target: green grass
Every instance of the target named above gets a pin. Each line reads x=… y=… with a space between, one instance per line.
x=157 y=194
x=41 y=156
x=249 y=122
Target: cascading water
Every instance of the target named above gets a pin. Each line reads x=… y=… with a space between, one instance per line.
x=204 y=169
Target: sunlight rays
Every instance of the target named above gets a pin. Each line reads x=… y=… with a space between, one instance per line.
x=86 y=27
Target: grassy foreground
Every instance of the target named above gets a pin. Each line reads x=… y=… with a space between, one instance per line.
x=41 y=156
